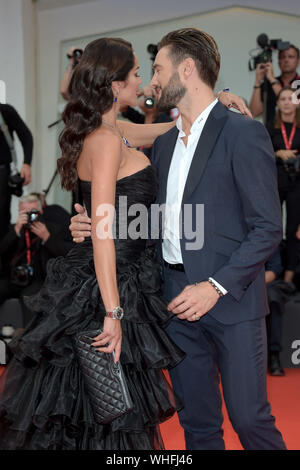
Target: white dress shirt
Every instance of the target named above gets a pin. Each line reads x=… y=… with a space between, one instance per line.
x=178 y=173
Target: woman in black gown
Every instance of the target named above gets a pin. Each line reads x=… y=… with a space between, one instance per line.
x=43 y=403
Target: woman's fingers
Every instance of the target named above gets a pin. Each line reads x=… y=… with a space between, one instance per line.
x=118 y=350
x=240 y=105
x=110 y=348
x=101 y=342
x=102 y=336
x=108 y=344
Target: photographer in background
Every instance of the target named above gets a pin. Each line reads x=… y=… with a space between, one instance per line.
x=74 y=54
x=285 y=136
x=27 y=247
x=53 y=212
x=14 y=123
x=288 y=61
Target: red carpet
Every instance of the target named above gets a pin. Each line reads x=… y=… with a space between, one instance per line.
x=283 y=393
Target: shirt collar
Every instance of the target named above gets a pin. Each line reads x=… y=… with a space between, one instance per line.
x=199 y=121
x=296 y=77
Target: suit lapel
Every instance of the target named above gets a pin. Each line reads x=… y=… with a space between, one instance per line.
x=166 y=158
x=213 y=126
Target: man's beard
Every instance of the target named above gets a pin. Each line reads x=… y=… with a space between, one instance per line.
x=171 y=94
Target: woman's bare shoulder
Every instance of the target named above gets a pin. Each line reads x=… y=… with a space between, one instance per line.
x=101 y=138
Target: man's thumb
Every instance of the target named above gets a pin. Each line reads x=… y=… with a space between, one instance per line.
x=79 y=208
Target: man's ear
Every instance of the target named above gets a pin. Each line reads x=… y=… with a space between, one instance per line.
x=187 y=67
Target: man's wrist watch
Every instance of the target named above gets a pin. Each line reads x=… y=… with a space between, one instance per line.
x=116 y=314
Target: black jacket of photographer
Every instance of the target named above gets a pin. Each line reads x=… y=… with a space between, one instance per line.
x=13 y=248
x=14 y=124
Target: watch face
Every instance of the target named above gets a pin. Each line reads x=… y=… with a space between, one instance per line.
x=118 y=312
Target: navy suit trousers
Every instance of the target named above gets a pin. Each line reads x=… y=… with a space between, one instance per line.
x=238 y=355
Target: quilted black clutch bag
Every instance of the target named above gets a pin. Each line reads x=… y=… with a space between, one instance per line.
x=104 y=380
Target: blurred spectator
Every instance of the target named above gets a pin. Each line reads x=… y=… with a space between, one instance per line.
x=53 y=212
x=276 y=299
x=64 y=84
x=285 y=136
x=27 y=247
x=14 y=124
x=288 y=62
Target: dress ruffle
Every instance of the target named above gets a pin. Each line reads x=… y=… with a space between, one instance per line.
x=43 y=402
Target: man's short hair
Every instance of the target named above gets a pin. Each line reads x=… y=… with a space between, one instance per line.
x=200 y=46
x=30 y=198
x=40 y=196
x=291 y=47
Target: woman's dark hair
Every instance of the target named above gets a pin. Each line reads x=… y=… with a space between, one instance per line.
x=278 y=120
x=200 y=46
x=90 y=96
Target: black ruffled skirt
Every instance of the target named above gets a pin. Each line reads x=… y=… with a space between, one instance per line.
x=43 y=401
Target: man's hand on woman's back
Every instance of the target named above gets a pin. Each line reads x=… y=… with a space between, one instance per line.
x=80 y=226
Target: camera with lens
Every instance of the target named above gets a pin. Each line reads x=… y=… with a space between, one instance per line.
x=15 y=181
x=152 y=50
x=15 y=184
x=267 y=47
x=77 y=53
x=292 y=166
x=33 y=216
x=22 y=275
x=149 y=102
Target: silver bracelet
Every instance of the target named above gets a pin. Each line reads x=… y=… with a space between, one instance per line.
x=216 y=288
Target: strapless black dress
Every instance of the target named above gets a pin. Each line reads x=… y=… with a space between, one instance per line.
x=43 y=402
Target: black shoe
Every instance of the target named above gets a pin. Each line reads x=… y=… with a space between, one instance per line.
x=275 y=367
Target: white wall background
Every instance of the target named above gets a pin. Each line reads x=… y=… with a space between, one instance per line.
x=34 y=38
x=18 y=64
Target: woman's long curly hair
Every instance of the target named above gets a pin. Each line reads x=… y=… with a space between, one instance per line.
x=90 y=96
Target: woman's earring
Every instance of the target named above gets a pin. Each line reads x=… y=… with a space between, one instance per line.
x=116 y=97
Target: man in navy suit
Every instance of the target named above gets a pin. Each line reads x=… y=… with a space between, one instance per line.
x=220 y=163
x=224 y=163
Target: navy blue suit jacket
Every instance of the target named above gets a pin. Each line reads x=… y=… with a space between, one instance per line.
x=233 y=174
